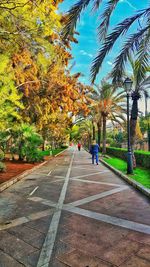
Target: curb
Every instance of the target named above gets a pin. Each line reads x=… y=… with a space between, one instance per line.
x=60 y=152
x=135 y=184
x=17 y=178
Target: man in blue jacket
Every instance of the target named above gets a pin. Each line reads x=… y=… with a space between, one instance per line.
x=94 y=151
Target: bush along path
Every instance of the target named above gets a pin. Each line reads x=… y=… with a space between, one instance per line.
x=73 y=213
x=142 y=157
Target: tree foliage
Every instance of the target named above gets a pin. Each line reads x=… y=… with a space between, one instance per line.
x=35 y=80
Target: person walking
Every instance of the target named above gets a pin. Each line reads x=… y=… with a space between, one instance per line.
x=94 y=149
x=79 y=146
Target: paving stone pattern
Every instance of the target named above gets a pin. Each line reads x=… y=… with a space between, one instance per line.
x=73 y=213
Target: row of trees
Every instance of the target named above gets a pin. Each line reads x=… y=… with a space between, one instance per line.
x=36 y=86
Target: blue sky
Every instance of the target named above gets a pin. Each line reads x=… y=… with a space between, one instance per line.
x=85 y=51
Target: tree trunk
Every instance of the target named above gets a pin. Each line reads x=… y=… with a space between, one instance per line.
x=20 y=151
x=133 y=121
x=104 y=135
x=99 y=133
x=93 y=131
x=89 y=141
x=43 y=145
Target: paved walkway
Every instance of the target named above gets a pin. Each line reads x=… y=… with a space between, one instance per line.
x=73 y=213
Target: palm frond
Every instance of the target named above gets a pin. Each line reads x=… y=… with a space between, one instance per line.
x=103 y=27
x=145 y=83
x=142 y=61
x=96 y=4
x=132 y=44
x=120 y=29
x=72 y=17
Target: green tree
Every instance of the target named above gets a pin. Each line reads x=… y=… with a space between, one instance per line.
x=110 y=103
x=25 y=142
x=10 y=100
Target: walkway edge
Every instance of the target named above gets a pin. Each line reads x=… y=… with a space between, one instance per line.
x=17 y=178
x=61 y=152
x=135 y=184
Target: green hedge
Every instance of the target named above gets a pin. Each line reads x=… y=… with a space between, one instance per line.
x=142 y=157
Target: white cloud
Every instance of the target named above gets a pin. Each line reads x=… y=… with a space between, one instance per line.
x=109 y=63
x=129 y=4
x=84 y=53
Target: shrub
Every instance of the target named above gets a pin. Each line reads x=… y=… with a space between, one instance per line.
x=64 y=146
x=2 y=167
x=33 y=156
x=1 y=155
x=26 y=143
x=142 y=157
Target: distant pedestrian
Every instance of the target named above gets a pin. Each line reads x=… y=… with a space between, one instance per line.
x=79 y=146
x=94 y=149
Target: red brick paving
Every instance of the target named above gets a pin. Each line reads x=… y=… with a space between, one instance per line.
x=78 y=190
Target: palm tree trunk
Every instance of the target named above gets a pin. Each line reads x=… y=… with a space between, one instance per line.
x=133 y=122
x=148 y=126
x=99 y=133
x=104 y=135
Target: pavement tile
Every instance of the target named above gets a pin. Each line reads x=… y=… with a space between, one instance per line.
x=120 y=252
x=14 y=246
x=7 y=261
x=78 y=190
x=92 y=246
x=119 y=205
x=23 y=232
x=81 y=170
x=50 y=191
x=30 y=260
x=139 y=237
x=107 y=177
x=136 y=262
x=144 y=252
x=57 y=263
x=22 y=207
x=77 y=258
x=104 y=232
x=40 y=225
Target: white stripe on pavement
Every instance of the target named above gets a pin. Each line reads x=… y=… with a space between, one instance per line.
x=98 y=196
x=131 y=225
x=33 y=190
x=46 y=252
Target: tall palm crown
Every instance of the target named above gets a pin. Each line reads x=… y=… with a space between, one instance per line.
x=110 y=101
x=138 y=42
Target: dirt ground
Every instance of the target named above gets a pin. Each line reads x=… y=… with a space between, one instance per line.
x=14 y=168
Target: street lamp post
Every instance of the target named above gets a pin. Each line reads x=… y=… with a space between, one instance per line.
x=128 y=86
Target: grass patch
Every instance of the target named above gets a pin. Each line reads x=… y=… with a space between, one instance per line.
x=141 y=175
x=54 y=152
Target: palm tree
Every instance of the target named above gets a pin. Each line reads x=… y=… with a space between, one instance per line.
x=110 y=103
x=140 y=88
x=86 y=128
